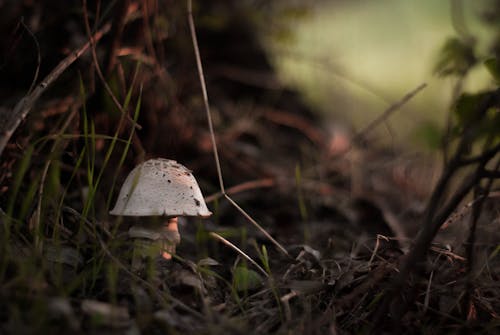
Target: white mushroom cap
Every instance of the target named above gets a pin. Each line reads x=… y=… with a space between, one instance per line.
x=160 y=187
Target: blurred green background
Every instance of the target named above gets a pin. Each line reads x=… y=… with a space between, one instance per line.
x=352 y=59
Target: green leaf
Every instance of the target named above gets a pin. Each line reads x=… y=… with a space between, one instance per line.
x=480 y=111
x=455 y=58
x=493 y=67
x=245 y=279
x=20 y=172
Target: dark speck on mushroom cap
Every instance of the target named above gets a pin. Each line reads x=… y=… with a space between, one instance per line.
x=161 y=187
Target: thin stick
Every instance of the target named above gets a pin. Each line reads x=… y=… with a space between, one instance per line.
x=377 y=246
x=24 y=105
x=238 y=250
x=428 y=292
x=375 y=123
x=211 y=128
x=249 y=218
x=205 y=94
x=248 y=185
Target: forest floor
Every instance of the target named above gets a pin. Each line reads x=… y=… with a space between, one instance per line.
x=342 y=209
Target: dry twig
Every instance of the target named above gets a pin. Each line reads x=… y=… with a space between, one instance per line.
x=24 y=106
x=212 y=133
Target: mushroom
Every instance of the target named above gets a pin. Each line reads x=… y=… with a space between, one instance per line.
x=159 y=187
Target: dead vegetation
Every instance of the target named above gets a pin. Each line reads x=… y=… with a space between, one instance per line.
x=313 y=232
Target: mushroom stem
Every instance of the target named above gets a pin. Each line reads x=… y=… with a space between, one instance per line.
x=153 y=240
x=172 y=229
